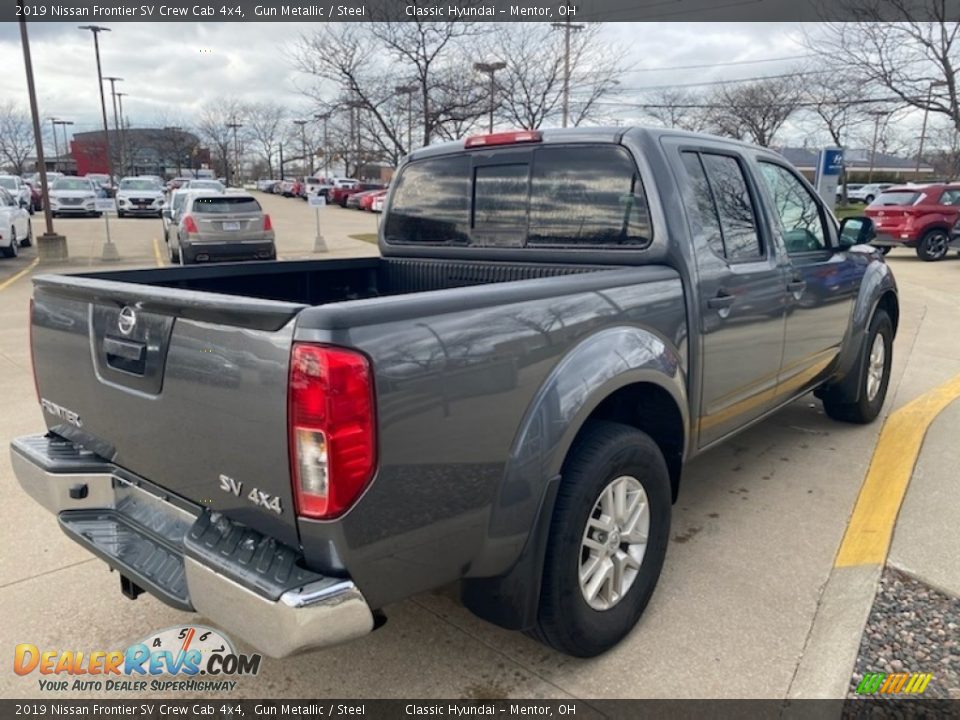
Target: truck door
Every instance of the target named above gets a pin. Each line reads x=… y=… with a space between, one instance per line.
x=740 y=292
x=821 y=282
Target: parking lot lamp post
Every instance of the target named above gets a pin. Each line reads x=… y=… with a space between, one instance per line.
x=236 y=152
x=567 y=28
x=63 y=125
x=326 y=146
x=491 y=69
x=923 y=130
x=50 y=246
x=123 y=128
x=408 y=90
x=56 y=149
x=355 y=106
x=303 y=144
x=877 y=114
x=116 y=120
x=109 y=249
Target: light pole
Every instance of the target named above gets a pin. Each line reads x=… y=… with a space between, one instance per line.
x=324 y=117
x=303 y=144
x=56 y=149
x=63 y=124
x=926 y=115
x=567 y=28
x=116 y=120
x=123 y=127
x=50 y=246
x=408 y=90
x=109 y=249
x=490 y=69
x=877 y=114
x=236 y=151
x=354 y=106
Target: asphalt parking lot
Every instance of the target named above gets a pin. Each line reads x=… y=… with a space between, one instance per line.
x=755 y=532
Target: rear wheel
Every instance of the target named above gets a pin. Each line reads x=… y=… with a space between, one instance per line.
x=28 y=240
x=608 y=538
x=14 y=248
x=174 y=253
x=868 y=199
x=874 y=373
x=933 y=246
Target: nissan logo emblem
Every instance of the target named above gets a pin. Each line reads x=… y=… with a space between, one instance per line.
x=127 y=320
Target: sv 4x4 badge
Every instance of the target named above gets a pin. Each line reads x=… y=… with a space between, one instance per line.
x=256 y=496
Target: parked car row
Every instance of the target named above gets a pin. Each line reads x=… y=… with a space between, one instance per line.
x=337 y=191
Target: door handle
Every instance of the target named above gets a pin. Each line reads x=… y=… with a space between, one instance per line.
x=797 y=285
x=721 y=301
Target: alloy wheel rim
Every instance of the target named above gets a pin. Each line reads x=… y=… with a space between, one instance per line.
x=938 y=244
x=878 y=354
x=614 y=543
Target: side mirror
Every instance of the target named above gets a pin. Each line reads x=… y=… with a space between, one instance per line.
x=856 y=231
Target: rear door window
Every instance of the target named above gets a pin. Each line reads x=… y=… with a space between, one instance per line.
x=225 y=204
x=731 y=196
x=587 y=196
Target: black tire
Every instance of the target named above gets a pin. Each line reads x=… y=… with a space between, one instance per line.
x=174 y=253
x=934 y=245
x=885 y=250
x=604 y=451
x=121 y=214
x=28 y=240
x=868 y=199
x=866 y=410
x=14 y=249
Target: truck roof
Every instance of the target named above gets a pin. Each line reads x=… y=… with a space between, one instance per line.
x=607 y=134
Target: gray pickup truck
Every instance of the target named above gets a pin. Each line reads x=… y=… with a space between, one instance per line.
x=505 y=398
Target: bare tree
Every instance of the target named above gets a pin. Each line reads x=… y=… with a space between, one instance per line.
x=266 y=124
x=531 y=86
x=175 y=142
x=16 y=136
x=214 y=123
x=677 y=108
x=917 y=62
x=754 y=111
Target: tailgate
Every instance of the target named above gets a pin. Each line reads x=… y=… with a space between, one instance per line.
x=186 y=389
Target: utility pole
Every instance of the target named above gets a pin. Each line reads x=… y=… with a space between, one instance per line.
x=409 y=91
x=50 y=246
x=236 y=152
x=109 y=249
x=303 y=144
x=324 y=117
x=567 y=28
x=490 y=69
x=116 y=120
x=281 y=161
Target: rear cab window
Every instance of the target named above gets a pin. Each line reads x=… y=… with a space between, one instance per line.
x=899 y=197
x=547 y=196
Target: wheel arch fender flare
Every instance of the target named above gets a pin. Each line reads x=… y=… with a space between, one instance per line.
x=503 y=585
x=878 y=290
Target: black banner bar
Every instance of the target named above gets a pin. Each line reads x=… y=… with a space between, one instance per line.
x=112 y=11
x=227 y=709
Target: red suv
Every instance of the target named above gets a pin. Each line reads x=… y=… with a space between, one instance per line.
x=917 y=216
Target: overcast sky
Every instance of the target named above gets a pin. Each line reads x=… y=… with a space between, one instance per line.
x=170 y=69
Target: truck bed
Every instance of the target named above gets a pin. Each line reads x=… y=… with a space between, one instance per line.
x=321 y=282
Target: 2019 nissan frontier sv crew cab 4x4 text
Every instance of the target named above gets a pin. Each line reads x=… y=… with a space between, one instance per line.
x=505 y=398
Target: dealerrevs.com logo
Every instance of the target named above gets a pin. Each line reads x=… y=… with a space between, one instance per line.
x=201 y=658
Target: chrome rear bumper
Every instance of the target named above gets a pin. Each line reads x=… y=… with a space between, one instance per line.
x=87 y=492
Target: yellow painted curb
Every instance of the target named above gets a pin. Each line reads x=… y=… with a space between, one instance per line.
x=870 y=530
x=10 y=281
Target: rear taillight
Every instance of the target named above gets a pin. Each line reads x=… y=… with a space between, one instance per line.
x=267 y=225
x=33 y=362
x=189 y=224
x=332 y=428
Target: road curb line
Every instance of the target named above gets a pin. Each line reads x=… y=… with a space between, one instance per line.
x=833 y=643
x=11 y=280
